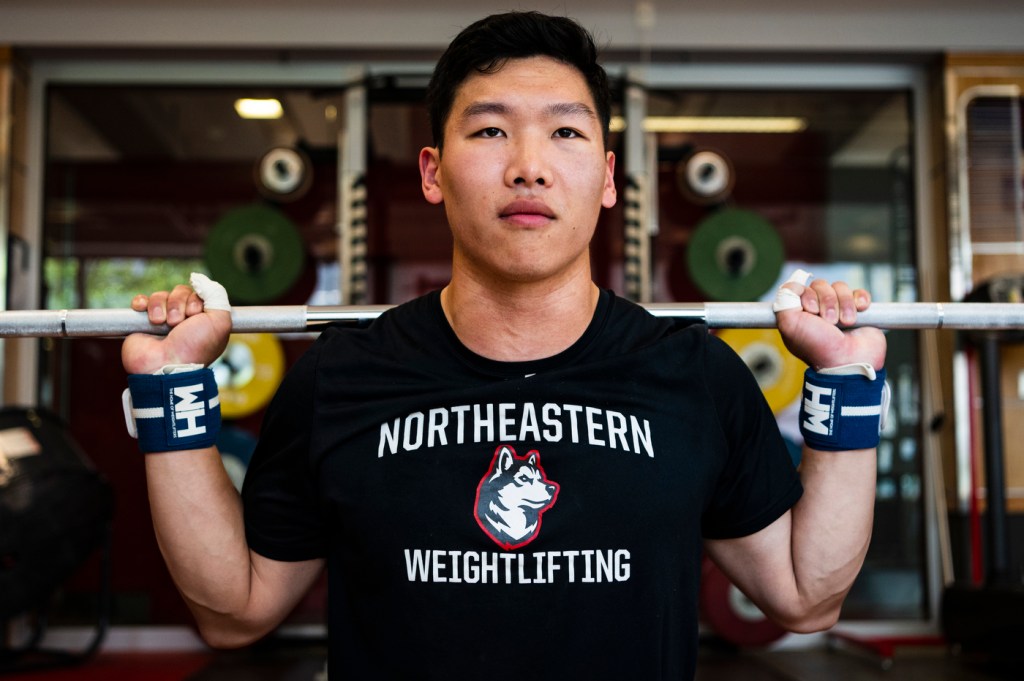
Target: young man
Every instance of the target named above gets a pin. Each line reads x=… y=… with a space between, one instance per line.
x=516 y=475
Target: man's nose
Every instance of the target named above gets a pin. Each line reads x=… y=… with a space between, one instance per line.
x=528 y=167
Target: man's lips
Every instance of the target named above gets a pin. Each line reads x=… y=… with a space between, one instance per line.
x=524 y=209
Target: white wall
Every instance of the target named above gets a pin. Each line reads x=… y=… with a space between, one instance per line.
x=834 y=25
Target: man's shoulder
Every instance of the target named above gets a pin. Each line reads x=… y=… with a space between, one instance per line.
x=400 y=329
x=417 y=311
x=634 y=325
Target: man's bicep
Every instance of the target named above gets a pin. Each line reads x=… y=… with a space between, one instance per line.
x=278 y=586
x=760 y=565
x=275 y=588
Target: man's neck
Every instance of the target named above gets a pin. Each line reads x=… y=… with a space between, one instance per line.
x=519 y=322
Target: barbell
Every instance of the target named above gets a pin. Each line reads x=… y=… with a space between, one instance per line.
x=119 y=322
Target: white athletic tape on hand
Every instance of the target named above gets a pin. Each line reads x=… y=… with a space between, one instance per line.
x=215 y=296
x=785 y=299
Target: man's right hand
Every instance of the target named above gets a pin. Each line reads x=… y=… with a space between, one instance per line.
x=197 y=336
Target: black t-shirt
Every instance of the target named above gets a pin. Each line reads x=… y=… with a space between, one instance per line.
x=510 y=520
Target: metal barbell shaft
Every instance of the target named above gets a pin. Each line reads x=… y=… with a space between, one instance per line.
x=118 y=322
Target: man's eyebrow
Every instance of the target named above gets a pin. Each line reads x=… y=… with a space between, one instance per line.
x=572 y=109
x=558 y=109
x=484 y=109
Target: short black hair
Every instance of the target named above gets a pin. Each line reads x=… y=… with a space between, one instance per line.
x=486 y=45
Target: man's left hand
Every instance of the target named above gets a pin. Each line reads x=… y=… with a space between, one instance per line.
x=814 y=331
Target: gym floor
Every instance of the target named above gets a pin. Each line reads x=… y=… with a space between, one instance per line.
x=305 y=663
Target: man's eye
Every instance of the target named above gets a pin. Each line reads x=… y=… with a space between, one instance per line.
x=566 y=133
x=490 y=132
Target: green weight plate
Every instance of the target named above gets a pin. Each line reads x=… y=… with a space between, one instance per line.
x=735 y=255
x=255 y=252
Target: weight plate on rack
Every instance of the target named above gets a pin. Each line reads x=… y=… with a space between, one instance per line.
x=256 y=253
x=248 y=373
x=284 y=174
x=735 y=255
x=779 y=374
x=705 y=177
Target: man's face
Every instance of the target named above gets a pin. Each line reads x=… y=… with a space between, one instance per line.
x=524 y=173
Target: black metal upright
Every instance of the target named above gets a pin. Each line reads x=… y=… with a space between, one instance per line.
x=985 y=620
x=997 y=532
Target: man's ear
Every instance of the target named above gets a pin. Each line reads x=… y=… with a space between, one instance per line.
x=430 y=166
x=609 y=196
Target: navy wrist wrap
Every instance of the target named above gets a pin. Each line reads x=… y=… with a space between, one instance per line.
x=175 y=411
x=842 y=412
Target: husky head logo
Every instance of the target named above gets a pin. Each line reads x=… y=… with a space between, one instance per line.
x=512 y=497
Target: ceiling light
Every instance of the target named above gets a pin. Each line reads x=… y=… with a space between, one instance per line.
x=752 y=124
x=259 y=108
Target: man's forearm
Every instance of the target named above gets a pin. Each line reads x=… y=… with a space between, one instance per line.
x=832 y=525
x=197 y=516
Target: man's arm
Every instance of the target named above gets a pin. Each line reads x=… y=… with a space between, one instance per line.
x=800 y=568
x=235 y=594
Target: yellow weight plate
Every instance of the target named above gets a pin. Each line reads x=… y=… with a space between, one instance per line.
x=779 y=374
x=248 y=373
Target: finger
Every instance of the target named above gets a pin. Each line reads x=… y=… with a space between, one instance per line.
x=796 y=300
x=862 y=299
x=787 y=297
x=214 y=295
x=847 y=307
x=176 y=303
x=194 y=305
x=140 y=302
x=826 y=299
x=809 y=300
x=157 y=307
